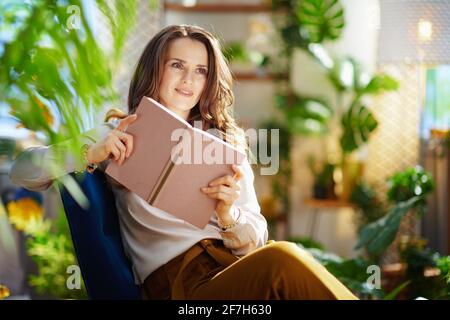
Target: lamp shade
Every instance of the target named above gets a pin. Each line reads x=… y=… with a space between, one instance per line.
x=414 y=31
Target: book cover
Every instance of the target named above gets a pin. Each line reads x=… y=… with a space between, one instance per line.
x=171 y=161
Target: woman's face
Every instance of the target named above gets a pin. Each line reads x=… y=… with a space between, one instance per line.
x=184 y=75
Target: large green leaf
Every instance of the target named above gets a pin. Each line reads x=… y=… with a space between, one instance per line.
x=119 y=14
x=358 y=122
x=321 y=19
x=378 y=235
x=351 y=272
x=318 y=52
x=395 y=292
x=380 y=83
x=342 y=74
x=308 y=116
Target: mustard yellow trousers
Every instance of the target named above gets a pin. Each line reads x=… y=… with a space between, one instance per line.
x=279 y=270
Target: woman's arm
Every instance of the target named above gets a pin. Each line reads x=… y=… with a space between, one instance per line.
x=31 y=169
x=34 y=168
x=250 y=231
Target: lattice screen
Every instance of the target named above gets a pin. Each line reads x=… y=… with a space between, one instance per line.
x=399 y=33
x=395 y=143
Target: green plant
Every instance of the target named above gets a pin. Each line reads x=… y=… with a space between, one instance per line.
x=307 y=242
x=351 y=272
x=236 y=51
x=357 y=124
x=410 y=183
x=379 y=234
x=50 y=247
x=372 y=209
x=320 y=20
x=419 y=259
x=443 y=263
x=55 y=76
x=304 y=115
x=310 y=21
x=304 y=23
x=357 y=121
x=407 y=191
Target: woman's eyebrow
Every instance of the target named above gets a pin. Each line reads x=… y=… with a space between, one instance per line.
x=182 y=61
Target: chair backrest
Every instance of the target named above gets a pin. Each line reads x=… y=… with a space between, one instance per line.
x=106 y=270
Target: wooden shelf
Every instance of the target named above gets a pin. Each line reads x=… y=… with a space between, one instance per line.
x=328 y=203
x=219 y=7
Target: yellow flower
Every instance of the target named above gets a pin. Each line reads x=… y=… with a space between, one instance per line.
x=4 y=292
x=46 y=114
x=2 y=210
x=45 y=111
x=25 y=214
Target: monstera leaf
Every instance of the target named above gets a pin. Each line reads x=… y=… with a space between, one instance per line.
x=358 y=122
x=308 y=116
x=321 y=19
x=380 y=83
x=378 y=235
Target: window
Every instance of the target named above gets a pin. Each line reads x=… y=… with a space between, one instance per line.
x=436 y=112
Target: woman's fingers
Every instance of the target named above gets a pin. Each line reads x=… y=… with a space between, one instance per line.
x=114 y=151
x=229 y=180
x=224 y=193
x=122 y=150
x=225 y=180
x=117 y=149
x=123 y=141
x=225 y=197
x=126 y=121
x=127 y=139
x=220 y=188
x=238 y=173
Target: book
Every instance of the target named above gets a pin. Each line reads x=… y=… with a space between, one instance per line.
x=171 y=161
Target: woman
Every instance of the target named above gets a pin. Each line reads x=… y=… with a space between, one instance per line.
x=183 y=68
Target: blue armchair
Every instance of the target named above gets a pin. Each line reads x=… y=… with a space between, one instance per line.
x=97 y=240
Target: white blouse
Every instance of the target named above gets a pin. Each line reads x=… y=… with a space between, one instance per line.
x=151 y=237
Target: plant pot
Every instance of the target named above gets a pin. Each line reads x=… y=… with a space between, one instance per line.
x=320 y=192
x=352 y=172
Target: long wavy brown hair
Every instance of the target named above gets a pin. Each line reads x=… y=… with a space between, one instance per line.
x=214 y=108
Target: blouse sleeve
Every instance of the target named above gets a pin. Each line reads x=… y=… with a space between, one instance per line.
x=31 y=169
x=250 y=231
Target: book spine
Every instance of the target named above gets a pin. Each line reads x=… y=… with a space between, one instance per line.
x=164 y=175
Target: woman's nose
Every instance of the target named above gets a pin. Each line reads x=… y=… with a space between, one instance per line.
x=187 y=76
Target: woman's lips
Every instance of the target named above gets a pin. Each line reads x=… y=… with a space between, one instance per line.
x=185 y=93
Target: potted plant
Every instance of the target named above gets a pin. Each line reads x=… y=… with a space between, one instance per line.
x=324 y=185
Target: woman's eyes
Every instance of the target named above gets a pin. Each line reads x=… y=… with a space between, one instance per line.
x=178 y=65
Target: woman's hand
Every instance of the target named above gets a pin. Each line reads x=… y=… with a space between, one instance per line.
x=227 y=191
x=116 y=143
